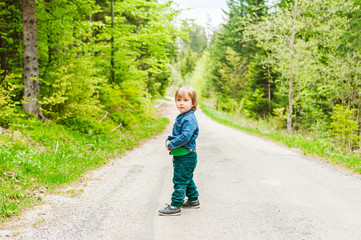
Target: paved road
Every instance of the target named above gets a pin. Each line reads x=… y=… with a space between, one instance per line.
x=249 y=189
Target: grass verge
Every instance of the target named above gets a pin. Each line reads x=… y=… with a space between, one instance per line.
x=317 y=147
x=37 y=157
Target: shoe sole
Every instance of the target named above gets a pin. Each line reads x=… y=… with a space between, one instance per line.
x=169 y=214
x=190 y=206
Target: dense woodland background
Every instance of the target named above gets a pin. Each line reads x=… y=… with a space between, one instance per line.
x=78 y=85
x=295 y=64
x=79 y=79
x=93 y=57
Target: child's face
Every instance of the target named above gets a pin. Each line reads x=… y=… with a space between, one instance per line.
x=184 y=103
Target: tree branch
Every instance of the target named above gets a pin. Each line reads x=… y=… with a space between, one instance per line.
x=116 y=127
x=104 y=117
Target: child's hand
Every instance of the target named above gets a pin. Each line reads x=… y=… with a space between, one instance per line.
x=166 y=145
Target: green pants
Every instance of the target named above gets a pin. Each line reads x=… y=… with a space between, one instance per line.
x=183 y=179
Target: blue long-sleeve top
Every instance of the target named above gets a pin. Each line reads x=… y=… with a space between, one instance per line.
x=185 y=131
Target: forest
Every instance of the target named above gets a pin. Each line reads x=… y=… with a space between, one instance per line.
x=84 y=58
x=294 y=64
x=78 y=83
x=79 y=79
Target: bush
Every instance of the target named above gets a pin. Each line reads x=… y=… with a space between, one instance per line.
x=279 y=118
x=344 y=128
x=227 y=105
x=9 y=108
x=71 y=91
x=126 y=103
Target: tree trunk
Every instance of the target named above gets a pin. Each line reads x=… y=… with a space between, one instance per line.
x=31 y=65
x=112 y=74
x=3 y=53
x=291 y=74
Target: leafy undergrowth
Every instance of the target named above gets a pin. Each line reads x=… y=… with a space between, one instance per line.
x=37 y=157
x=318 y=147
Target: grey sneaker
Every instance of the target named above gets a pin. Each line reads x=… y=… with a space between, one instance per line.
x=170 y=211
x=191 y=204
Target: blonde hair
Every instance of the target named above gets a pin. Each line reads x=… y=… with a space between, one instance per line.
x=183 y=91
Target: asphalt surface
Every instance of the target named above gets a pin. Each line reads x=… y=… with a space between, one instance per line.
x=249 y=189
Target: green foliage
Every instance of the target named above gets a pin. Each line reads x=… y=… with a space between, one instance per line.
x=300 y=56
x=344 y=128
x=233 y=75
x=82 y=49
x=87 y=126
x=304 y=63
x=191 y=49
x=126 y=103
x=197 y=40
x=90 y=64
x=279 y=118
x=235 y=69
x=188 y=64
x=227 y=105
x=143 y=41
x=10 y=39
x=255 y=105
x=164 y=80
x=71 y=92
x=8 y=105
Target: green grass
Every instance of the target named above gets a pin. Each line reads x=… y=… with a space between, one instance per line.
x=37 y=157
x=316 y=147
